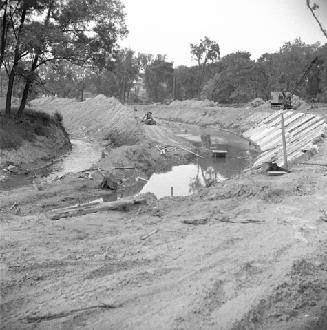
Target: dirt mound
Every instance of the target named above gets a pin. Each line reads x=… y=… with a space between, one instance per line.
x=299 y=104
x=257 y=102
x=193 y=103
x=96 y=117
x=271 y=192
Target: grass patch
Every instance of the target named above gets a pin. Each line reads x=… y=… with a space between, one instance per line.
x=9 y=140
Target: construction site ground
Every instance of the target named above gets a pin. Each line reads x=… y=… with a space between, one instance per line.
x=248 y=253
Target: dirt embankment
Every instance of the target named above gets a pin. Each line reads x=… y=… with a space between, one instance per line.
x=206 y=113
x=248 y=253
x=127 y=142
x=31 y=141
x=197 y=113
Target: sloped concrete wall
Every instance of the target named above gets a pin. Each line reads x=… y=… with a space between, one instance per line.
x=302 y=131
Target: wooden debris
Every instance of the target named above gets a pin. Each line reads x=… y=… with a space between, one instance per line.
x=48 y=317
x=144 y=237
x=75 y=206
x=315 y=164
x=245 y=221
x=219 y=153
x=195 y=221
x=124 y=168
x=120 y=205
x=276 y=173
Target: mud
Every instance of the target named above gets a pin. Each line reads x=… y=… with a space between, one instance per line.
x=247 y=253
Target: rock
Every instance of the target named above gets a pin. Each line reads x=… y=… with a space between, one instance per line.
x=109 y=182
x=12 y=169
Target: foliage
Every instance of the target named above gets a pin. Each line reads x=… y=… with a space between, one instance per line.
x=240 y=79
x=158 y=79
x=84 y=32
x=205 y=51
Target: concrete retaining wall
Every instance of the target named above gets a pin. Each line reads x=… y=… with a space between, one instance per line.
x=302 y=132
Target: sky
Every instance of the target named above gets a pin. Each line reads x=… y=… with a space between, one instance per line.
x=257 y=26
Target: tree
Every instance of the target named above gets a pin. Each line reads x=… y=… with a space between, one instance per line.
x=84 y=32
x=126 y=70
x=158 y=79
x=313 y=7
x=4 y=27
x=236 y=82
x=204 y=52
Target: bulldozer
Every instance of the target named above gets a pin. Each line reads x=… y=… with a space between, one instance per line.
x=148 y=119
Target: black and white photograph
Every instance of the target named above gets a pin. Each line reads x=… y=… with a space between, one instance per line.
x=163 y=165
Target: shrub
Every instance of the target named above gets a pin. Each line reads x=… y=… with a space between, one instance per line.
x=41 y=130
x=38 y=115
x=9 y=139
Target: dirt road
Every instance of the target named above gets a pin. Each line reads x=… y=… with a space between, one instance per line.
x=248 y=253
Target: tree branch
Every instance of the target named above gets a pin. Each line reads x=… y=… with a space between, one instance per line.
x=312 y=9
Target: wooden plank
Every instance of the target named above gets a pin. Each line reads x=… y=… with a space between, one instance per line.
x=119 y=205
x=284 y=142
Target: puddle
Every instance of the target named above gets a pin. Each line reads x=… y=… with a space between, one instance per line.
x=187 y=179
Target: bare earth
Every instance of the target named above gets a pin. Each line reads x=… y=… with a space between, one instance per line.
x=250 y=253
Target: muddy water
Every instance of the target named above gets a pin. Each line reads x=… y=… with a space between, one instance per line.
x=82 y=156
x=184 y=180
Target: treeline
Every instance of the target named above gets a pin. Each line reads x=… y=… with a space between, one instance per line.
x=70 y=49
x=235 y=78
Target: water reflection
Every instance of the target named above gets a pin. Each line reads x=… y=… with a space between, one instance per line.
x=187 y=179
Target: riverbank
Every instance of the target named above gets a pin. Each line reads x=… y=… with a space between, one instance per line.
x=30 y=142
x=249 y=252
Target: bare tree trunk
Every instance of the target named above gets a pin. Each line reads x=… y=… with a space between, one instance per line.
x=24 y=99
x=9 y=90
x=82 y=93
x=28 y=83
x=15 y=64
x=30 y=78
x=3 y=33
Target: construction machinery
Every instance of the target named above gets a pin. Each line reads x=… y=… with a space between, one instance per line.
x=283 y=100
x=148 y=119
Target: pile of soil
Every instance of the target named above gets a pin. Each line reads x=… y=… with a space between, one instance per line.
x=99 y=117
x=193 y=103
x=231 y=118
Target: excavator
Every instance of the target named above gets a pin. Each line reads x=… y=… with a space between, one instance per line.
x=283 y=99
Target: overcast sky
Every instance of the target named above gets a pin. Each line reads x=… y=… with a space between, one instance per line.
x=257 y=26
